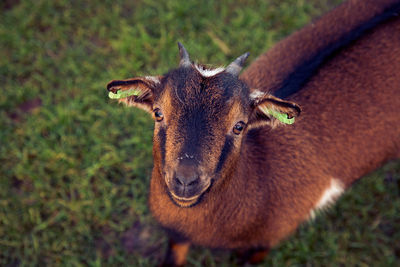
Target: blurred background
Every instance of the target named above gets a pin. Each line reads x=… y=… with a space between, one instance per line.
x=75 y=166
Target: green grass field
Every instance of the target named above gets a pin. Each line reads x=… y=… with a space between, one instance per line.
x=75 y=166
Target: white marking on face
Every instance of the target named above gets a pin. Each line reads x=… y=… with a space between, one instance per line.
x=208 y=72
x=329 y=196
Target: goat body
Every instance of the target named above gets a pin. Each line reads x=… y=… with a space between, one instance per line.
x=347 y=66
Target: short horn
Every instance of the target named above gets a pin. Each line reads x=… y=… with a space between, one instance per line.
x=185 y=61
x=236 y=66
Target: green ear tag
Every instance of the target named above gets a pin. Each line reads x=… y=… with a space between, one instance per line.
x=123 y=94
x=282 y=117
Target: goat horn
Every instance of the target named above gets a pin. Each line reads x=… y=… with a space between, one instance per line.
x=185 y=61
x=236 y=66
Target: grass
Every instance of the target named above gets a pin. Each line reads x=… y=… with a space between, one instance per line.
x=75 y=166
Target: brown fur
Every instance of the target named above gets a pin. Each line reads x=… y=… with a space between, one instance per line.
x=275 y=178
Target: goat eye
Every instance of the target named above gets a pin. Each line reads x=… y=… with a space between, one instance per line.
x=238 y=128
x=158 y=115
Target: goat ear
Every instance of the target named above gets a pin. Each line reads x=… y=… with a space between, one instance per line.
x=136 y=92
x=270 y=110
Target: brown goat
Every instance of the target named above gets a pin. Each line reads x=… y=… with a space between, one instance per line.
x=225 y=177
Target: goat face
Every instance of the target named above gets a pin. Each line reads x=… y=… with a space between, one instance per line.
x=200 y=118
x=199 y=126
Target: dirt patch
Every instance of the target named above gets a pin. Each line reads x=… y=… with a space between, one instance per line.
x=140 y=239
x=8 y=4
x=24 y=108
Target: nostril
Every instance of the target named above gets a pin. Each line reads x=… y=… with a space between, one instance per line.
x=187 y=181
x=193 y=183
x=179 y=181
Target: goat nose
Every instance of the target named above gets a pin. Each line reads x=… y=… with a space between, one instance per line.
x=187 y=181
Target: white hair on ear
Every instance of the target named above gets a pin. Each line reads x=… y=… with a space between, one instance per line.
x=154 y=79
x=256 y=94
